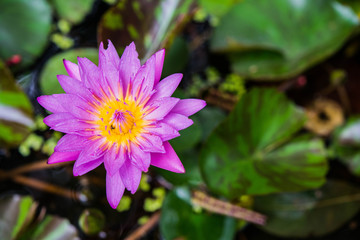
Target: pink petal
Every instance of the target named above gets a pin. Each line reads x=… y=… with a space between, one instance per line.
x=75 y=105
x=80 y=170
x=139 y=158
x=151 y=143
x=159 y=56
x=58 y=119
x=164 y=131
x=188 y=107
x=50 y=103
x=167 y=86
x=177 y=121
x=168 y=161
x=143 y=82
x=73 y=86
x=109 y=65
x=71 y=142
x=114 y=189
x=129 y=64
x=130 y=176
x=162 y=107
x=113 y=160
x=58 y=157
x=91 y=76
x=72 y=69
x=93 y=150
x=73 y=126
x=110 y=53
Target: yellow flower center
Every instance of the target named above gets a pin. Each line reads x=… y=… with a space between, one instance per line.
x=121 y=121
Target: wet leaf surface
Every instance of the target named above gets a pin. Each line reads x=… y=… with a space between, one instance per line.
x=272 y=47
x=218 y=8
x=179 y=220
x=72 y=11
x=91 y=221
x=18 y=221
x=26 y=40
x=191 y=177
x=311 y=213
x=251 y=152
x=185 y=146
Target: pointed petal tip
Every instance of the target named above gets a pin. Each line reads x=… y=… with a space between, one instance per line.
x=113 y=205
x=159 y=56
x=189 y=106
x=39 y=99
x=114 y=189
x=203 y=104
x=65 y=62
x=162 y=51
x=75 y=172
x=72 y=69
x=58 y=157
x=111 y=47
x=113 y=201
x=45 y=100
x=46 y=120
x=110 y=43
x=168 y=161
x=181 y=170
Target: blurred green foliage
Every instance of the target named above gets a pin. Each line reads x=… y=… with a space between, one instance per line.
x=25 y=27
x=72 y=11
x=15 y=110
x=256 y=149
x=346 y=144
x=178 y=219
x=48 y=81
x=17 y=221
x=255 y=144
x=278 y=39
x=313 y=212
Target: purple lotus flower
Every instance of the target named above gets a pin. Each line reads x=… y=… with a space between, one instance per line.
x=119 y=114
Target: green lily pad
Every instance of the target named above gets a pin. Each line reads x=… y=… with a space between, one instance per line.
x=92 y=221
x=188 y=138
x=48 y=81
x=147 y=23
x=186 y=148
x=346 y=144
x=180 y=221
x=279 y=39
x=25 y=26
x=251 y=152
x=72 y=11
x=191 y=177
x=17 y=215
x=216 y=7
x=215 y=114
x=15 y=110
x=311 y=213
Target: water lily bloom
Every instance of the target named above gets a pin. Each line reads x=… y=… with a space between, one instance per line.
x=118 y=113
